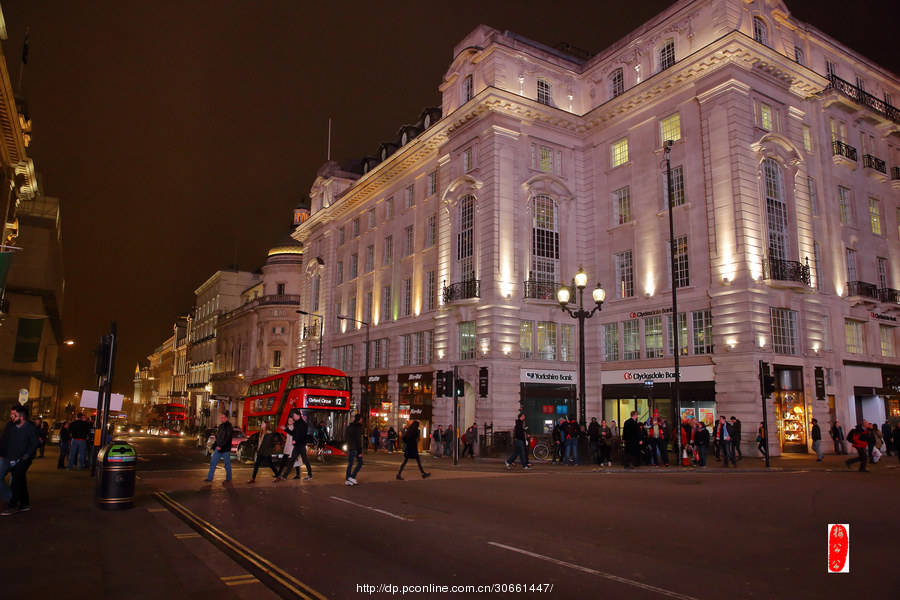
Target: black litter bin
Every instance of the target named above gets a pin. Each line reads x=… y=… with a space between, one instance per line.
x=115 y=476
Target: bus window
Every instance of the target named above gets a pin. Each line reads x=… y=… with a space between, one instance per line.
x=296 y=381
x=327 y=382
x=253 y=422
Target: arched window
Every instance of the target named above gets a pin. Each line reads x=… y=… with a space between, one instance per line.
x=776 y=211
x=544 y=239
x=544 y=92
x=616 y=83
x=465 y=239
x=760 y=34
x=467 y=89
x=666 y=54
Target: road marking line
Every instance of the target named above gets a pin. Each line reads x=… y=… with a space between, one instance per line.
x=378 y=510
x=239 y=579
x=638 y=584
x=157 y=510
x=187 y=536
x=277 y=575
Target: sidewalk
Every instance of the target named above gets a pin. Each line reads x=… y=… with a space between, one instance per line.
x=65 y=545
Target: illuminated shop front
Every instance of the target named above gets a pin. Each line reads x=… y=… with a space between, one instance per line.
x=545 y=396
x=631 y=390
x=416 y=398
x=791 y=412
x=380 y=406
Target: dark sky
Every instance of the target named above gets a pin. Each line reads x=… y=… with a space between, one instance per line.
x=180 y=133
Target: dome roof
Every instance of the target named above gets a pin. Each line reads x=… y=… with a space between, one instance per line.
x=286 y=245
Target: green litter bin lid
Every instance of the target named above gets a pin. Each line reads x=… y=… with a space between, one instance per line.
x=121 y=453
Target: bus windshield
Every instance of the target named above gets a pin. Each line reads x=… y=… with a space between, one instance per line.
x=319 y=381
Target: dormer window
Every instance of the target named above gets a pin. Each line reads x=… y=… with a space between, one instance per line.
x=544 y=92
x=616 y=83
x=467 y=89
x=666 y=55
x=760 y=33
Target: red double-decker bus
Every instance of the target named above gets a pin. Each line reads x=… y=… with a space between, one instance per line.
x=167 y=419
x=321 y=394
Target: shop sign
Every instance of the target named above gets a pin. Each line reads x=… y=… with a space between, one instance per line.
x=882 y=317
x=415 y=376
x=483 y=382
x=420 y=413
x=649 y=313
x=546 y=376
x=700 y=373
x=820 y=383
x=373 y=378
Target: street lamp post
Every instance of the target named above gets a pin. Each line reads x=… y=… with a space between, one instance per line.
x=667 y=146
x=564 y=296
x=321 y=331
x=365 y=393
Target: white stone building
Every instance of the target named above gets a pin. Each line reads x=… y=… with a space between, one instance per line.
x=451 y=241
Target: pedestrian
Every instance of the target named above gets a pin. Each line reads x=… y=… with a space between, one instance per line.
x=761 y=441
x=701 y=443
x=646 y=456
x=288 y=450
x=888 y=441
x=520 y=436
x=724 y=435
x=17 y=449
x=468 y=442
x=716 y=439
x=354 y=449
x=265 y=446
x=631 y=435
x=449 y=440
x=321 y=437
x=570 y=437
x=411 y=449
x=392 y=440
x=376 y=439
x=299 y=434
x=80 y=429
x=604 y=443
x=437 y=446
x=594 y=440
x=662 y=441
x=64 y=437
x=816 y=435
x=221 y=449
x=837 y=436
x=557 y=435
x=736 y=452
x=859 y=438
x=878 y=450
x=43 y=430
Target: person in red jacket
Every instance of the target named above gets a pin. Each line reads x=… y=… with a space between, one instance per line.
x=859 y=438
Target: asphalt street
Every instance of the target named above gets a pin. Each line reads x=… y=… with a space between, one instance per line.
x=575 y=532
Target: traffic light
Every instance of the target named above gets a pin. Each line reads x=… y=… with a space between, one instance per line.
x=440 y=389
x=766 y=380
x=448 y=383
x=460 y=387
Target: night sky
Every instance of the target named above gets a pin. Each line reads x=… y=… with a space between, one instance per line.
x=179 y=135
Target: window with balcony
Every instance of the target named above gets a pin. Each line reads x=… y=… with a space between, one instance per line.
x=544 y=239
x=882 y=265
x=852 y=270
x=817 y=259
x=784 y=330
x=465 y=239
x=776 y=212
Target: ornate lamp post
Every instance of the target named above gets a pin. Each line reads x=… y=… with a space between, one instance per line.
x=564 y=296
x=321 y=331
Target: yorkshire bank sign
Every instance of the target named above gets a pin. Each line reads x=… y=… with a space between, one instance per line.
x=546 y=376
x=701 y=373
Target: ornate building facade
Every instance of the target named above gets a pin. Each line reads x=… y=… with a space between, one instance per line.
x=451 y=241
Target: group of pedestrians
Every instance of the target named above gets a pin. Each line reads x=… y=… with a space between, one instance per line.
x=442 y=441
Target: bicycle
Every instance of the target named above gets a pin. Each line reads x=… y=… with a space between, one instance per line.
x=543 y=450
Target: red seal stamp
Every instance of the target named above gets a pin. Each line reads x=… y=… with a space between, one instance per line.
x=838 y=548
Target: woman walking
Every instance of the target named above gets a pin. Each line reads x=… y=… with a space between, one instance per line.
x=761 y=439
x=411 y=449
x=701 y=442
x=264 y=446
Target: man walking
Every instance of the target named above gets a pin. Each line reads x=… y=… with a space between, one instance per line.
x=354 y=449
x=816 y=435
x=837 y=436
x=80 y=429
x=222 y=449
x=594 y=440
x=604 y=442
x=724 y=436
x=519 y=438
x=631 y=435
x=299 y=433
x=736 y=438
x=17 y=447
x=570 y=434
x=859 y=438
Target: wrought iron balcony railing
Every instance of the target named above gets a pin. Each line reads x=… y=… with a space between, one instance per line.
x=874 y=163
x=462 y=290
x=889 y=295
x=839 y=148
x=863 y=289
x=861 y=97
x=777 y=269
x=895 y=173
x=541 y=290
x=310 y=331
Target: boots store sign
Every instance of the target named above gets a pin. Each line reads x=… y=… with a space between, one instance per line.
x=701 y=373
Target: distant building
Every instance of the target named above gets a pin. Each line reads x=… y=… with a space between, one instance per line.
x=452 y=239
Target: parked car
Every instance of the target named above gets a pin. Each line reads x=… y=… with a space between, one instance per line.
x=203 y=436
x=236 y=438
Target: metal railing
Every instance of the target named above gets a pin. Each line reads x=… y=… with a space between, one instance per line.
x=310 y=331
x=541 y=290
x=863 y=289
x=874 y=163
x=860 y=96
x=889 y=295
x=282 y=299
x=786 y=270
x=839 y=148
x=462 y=290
